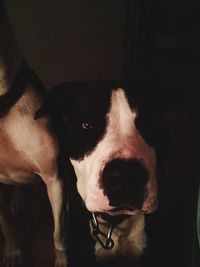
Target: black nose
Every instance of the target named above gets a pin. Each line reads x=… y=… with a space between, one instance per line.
x=123 y=181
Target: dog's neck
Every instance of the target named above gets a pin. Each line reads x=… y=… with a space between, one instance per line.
x=127 y=237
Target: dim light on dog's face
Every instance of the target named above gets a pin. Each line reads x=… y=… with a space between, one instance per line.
x=111 y=151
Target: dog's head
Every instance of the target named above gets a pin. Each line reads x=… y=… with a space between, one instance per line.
x=113 y=137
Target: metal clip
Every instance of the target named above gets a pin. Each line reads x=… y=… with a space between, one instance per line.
x=97 y=233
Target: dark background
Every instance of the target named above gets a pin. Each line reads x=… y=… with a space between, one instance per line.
x=92 y=40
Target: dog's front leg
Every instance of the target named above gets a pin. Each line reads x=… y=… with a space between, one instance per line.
x=55 y=189
x=12 y=252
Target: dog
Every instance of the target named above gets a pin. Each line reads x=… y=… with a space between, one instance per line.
x=113 y=140
x=29 y=147
x=29 y=152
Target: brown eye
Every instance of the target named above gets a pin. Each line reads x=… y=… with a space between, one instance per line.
x=87 y=126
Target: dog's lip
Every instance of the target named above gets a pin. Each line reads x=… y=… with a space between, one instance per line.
x=124 y=209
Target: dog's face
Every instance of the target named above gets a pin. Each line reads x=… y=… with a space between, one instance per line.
x=112 y=145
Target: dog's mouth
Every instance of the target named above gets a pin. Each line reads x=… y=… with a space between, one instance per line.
x=124 y=207
x=124 y=210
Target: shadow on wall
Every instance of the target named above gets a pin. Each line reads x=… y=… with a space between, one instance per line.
x=70 y=40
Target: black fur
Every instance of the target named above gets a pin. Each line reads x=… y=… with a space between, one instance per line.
x=25 y=77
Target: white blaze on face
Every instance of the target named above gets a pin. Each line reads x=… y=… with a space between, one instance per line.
x=121 y=140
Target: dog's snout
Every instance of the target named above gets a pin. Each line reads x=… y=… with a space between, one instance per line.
x=123 y=181
x=119 y=174
x=114 y=181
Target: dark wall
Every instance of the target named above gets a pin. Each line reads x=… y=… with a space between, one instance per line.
x=91 y=40
x=70 y=40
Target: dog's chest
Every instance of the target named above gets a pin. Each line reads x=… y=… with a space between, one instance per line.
x=17 y=133
x=13 y=176
x=15 y=169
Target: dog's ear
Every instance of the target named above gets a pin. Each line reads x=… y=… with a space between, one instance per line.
x=64 y=97
x=60 y=98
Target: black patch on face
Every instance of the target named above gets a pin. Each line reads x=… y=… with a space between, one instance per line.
x=84 y=107
x=146 y=98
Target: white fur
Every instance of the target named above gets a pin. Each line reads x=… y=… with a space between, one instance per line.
x=29 y=149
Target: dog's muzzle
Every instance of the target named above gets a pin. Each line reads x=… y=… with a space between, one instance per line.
x=124 y=183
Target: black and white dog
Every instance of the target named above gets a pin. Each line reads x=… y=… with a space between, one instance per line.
x=113 y=139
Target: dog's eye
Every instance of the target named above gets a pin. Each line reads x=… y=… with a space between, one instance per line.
x=86 y=125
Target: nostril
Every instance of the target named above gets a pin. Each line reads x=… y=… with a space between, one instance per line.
x=138 y=180
x=124 y=182
x=117 y=182
x=114 y=182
